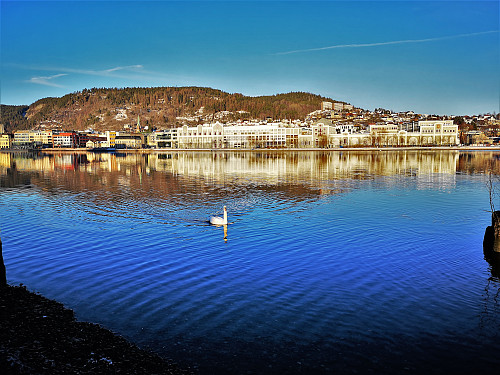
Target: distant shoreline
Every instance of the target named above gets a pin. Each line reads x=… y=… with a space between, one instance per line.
x=277 y=150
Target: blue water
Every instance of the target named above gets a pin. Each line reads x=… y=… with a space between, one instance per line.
x=339 y=262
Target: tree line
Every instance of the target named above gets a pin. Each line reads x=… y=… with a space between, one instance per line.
x=156 y=105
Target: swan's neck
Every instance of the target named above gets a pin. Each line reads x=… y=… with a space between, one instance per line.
x=225 y=216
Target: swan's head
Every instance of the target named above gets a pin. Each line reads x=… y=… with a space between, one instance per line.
x=224 y=208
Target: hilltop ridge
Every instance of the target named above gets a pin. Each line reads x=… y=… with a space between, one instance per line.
x=159 y=107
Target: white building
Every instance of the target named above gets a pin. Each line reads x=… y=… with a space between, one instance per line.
x=321 y=134
x=438 y=132
x=338 y=106
x=164 y=139
x=64 y=140
x=326 y=106
x=344 y=128
x=201 y=136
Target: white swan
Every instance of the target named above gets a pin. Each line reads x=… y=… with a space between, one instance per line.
x=217 y=220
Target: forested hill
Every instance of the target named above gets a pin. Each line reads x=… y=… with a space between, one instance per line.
x=159 y=107
x=14 y=117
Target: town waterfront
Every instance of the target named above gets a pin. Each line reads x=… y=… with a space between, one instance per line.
x=333 y=261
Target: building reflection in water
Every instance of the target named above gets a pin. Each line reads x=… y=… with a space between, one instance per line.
x=316 y=171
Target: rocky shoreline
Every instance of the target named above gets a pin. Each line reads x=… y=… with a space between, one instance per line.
x=41 y=336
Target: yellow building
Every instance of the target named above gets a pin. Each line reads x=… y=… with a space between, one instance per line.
x=5 y=141
x=43 y=137
x=129 y=140
x=34 y=137
x=110 y=138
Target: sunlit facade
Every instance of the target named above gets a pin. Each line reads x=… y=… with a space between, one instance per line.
x=5 y=141
x=65 y=140
x=163 y=139
x=438 y=132
x=34 y=137
x=129 y=140
x=323 y=134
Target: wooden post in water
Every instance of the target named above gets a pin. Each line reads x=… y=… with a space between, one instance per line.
x=491 y=242
x=3 y=275
x=495 y=223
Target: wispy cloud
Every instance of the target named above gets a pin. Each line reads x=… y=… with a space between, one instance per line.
x=47 y=81
x=123 y=68
x=361 y=45
x=111 y=72
x=125 y=72
x=91 y=72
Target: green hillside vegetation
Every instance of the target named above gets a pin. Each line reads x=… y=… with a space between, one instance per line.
x=13 y=117
x=158 y=107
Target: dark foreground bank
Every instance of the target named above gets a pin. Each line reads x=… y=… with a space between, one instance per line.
x=41 y=336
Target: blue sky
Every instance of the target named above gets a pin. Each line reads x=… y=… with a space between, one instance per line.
x=429 y=57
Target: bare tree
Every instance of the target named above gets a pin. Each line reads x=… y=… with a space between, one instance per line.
x=492 y=185
x=491 y=191
x=322 y=141
x=491 y=242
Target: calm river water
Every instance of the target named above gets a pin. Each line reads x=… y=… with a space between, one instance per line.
x=340 y=262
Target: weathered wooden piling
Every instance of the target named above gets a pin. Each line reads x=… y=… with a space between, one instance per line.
x=3 y=275
x=491 y=241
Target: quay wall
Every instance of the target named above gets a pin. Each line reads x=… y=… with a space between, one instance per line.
x=342 y=149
